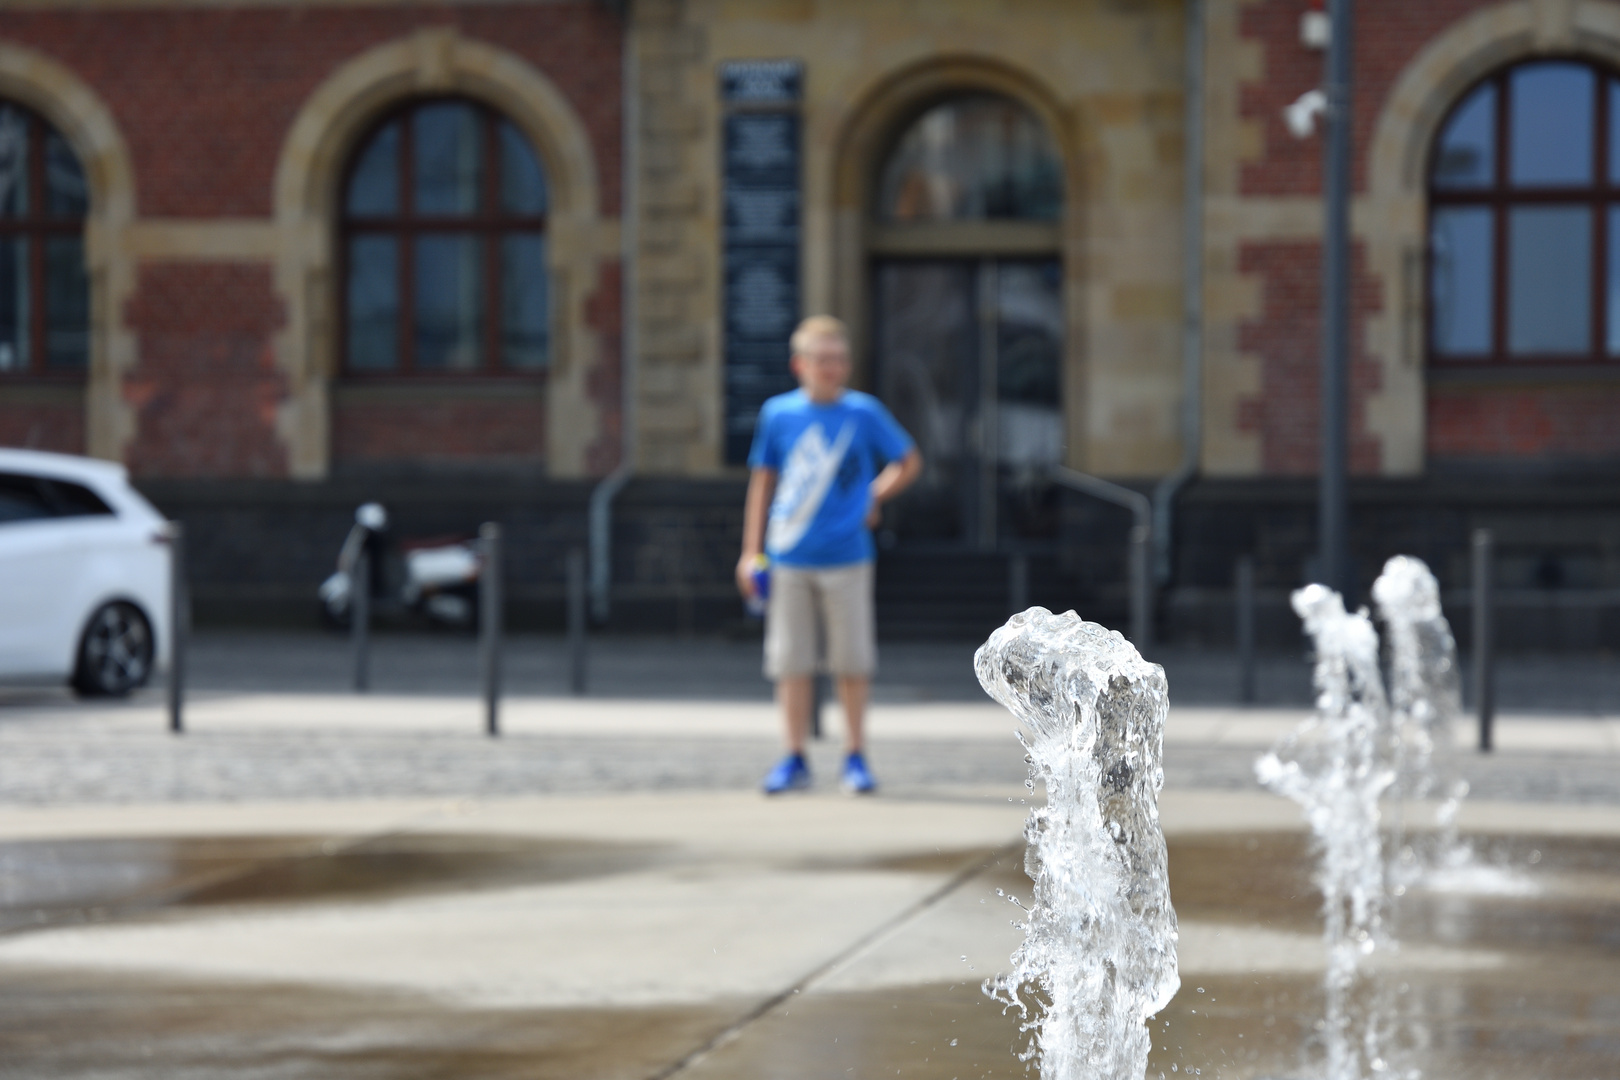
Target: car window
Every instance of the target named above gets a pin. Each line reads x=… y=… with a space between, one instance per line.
x=21 y=499
x=68 y=499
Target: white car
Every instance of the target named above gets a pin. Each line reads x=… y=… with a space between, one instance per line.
x=84 y=575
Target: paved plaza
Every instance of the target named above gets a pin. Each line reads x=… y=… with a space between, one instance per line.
x=313 y=884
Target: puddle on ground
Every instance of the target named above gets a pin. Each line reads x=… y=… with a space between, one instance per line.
x=48 y=881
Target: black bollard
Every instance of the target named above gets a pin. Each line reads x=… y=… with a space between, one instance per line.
x=1244 y=582
x=1484 y=674
x=360 y=619
x=489 y=625
x=576 y=621
x=179 y=626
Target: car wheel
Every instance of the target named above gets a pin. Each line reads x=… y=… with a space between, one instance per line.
x=115 y=654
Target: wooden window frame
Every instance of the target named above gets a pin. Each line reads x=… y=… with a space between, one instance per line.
x=36 y=226
x=489 y=223
x=1500 y=198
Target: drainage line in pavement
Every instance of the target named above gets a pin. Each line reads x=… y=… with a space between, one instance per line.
x=737 y=1026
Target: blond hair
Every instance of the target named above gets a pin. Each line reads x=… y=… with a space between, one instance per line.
x=817 y=326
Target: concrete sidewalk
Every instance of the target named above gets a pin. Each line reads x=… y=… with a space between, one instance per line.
x=221 y=712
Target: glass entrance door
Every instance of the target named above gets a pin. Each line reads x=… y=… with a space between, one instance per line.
x=968 y=358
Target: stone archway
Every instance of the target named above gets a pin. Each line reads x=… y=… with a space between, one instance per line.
x=308 y=172
x=881 y=111
x=58 y=95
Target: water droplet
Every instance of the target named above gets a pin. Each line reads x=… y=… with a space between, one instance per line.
x=1200 y=989
x=953 y=1042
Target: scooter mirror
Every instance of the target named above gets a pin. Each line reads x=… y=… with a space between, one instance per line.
x=372 y=516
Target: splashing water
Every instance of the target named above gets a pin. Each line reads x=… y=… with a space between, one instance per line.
x=1100 y=933
x=1336 y=766
x=1425 y=701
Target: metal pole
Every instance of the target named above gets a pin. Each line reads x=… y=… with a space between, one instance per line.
x=1333 y=509
x=1245 y=628
x=1484 y=644
x=179 y=627
x=1018 y=581
x=576 y=620
x=360 y=619
x=489 y=624
x=1141 y=568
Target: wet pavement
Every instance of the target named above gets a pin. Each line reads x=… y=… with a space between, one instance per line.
x=719 y=936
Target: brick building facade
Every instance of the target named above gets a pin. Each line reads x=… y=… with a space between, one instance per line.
x=220 y=146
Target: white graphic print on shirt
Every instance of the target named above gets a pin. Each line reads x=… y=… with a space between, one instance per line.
x=807 y=476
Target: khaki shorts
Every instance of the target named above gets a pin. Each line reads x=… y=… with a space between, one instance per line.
x=820 y=619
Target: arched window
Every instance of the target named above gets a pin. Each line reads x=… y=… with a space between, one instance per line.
x=444 y=246
x=967 y=304
x=1524 y=219
x=44 y=290
x=972 y=158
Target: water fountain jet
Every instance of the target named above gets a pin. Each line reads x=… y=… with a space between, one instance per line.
x=1100 y=932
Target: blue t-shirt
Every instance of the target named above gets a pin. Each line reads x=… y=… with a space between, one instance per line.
x=825 y=457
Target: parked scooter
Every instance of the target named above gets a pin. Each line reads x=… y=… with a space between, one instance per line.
x=435 y=578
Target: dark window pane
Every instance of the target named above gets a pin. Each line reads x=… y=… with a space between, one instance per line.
x=972 y=158
x=525 y=329
x=1551 y=124
x=1613 y=299
x=72 y=500
x=374 y=184
x=449 y=302
x=1029 y=358
x=1549 y=280
x=66 y=194
x=13 y=161
x=1465 y=156
x=523 y=185
x=448 y=158
x=14 y=306
x=927 y=358
x=1460 y=283
x=21 y=499
x=373 y=303
x=67 y=304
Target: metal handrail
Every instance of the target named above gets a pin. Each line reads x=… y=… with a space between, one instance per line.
x=1137 y=554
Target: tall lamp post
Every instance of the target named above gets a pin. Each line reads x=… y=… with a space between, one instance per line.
x=1333 y=510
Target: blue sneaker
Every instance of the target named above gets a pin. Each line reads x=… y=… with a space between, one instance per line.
x=790 y=774
x=857 y=777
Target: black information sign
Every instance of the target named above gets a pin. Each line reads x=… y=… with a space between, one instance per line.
x=761 y=237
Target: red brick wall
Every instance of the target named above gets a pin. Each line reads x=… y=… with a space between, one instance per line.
x=44 y=425
x=447 y=427
x=1287 y=337
x=204 y=96
x=206 y=388
x=1560 y=423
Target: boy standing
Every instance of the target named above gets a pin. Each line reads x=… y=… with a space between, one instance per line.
x=824 y=460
